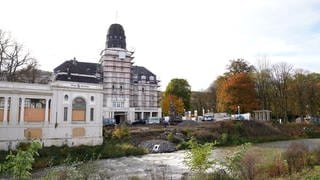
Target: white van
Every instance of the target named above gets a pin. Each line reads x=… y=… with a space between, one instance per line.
x=208 y=117
x=153 y=120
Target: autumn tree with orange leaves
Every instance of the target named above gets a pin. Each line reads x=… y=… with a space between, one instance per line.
x=236 y=89
x=176 y=102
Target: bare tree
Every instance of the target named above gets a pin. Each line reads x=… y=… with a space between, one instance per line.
x=4 y=46
x=13 y=57
x=263 y=81
x=300 y=87
x=281 y=74
x=29 y=73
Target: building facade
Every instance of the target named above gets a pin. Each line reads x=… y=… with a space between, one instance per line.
x=130 y=92
x=60 y=113
x=70 y=109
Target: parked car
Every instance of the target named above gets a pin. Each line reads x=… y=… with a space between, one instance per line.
x=208 y=117
x=109 y=121
x=138 y=121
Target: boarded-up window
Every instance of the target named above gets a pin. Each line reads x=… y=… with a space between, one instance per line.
x=78 y=109
x=78 y=132
x=33 y=133
x=34 y=109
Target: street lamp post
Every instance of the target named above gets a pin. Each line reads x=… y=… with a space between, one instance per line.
x=238 y=112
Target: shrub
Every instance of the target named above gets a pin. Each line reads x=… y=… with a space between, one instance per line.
x=121 y=133
x=233 y=163
x=19 y=165
x=223 y=139
x=197 y=158
x=183 y=145
x=296 y=156
x=277 y=168
x=170 y=137
x=248 y=168
x=219 y=175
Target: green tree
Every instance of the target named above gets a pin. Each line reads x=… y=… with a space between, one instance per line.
x=19 y=165
x=197 y=158
x=180 y=88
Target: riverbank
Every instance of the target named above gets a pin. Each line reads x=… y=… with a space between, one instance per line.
x=172 y=166
x=120 y=142
x=226 y=133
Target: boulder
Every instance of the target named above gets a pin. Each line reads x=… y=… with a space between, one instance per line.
x=158 y=146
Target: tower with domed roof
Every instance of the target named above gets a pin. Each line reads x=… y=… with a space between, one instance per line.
x=116 y=62
x=129 y=92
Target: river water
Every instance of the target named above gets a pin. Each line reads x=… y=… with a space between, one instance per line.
x=170 y=165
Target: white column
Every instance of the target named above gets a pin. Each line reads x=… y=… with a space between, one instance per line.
x=142 y=115
x=22 y=111
x=87 y=116
x=46 y=120
x=5 y=111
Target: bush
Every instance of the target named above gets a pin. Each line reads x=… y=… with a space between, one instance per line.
x=233 y=163
x=296 y=156
x=183 y=145
x=170 y=137
x=248 y=168
x=219 y=175
x=277 y=168
x=19 y=165
x=121 y=133
x=197 y=158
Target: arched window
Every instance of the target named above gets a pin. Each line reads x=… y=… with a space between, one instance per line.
x=66 y=97
x=78 y=109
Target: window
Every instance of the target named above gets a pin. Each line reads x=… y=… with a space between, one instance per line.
x=1 y=108
x=142 y=89
x=91 y=114
x=65 y=114
x=92 y=98
x=120 y=88
x=78 y=109
x=1 y=103
x=151 y=78
x=66 y=97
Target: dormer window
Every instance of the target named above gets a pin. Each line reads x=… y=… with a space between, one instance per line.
x=151 y=78
x=143 y=77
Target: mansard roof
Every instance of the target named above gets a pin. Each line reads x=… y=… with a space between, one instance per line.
x=73 y=70
x=142 y=71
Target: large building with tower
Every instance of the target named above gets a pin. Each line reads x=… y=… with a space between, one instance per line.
x=70 y=109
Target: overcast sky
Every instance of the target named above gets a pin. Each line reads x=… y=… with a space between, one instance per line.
x=191 y=39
